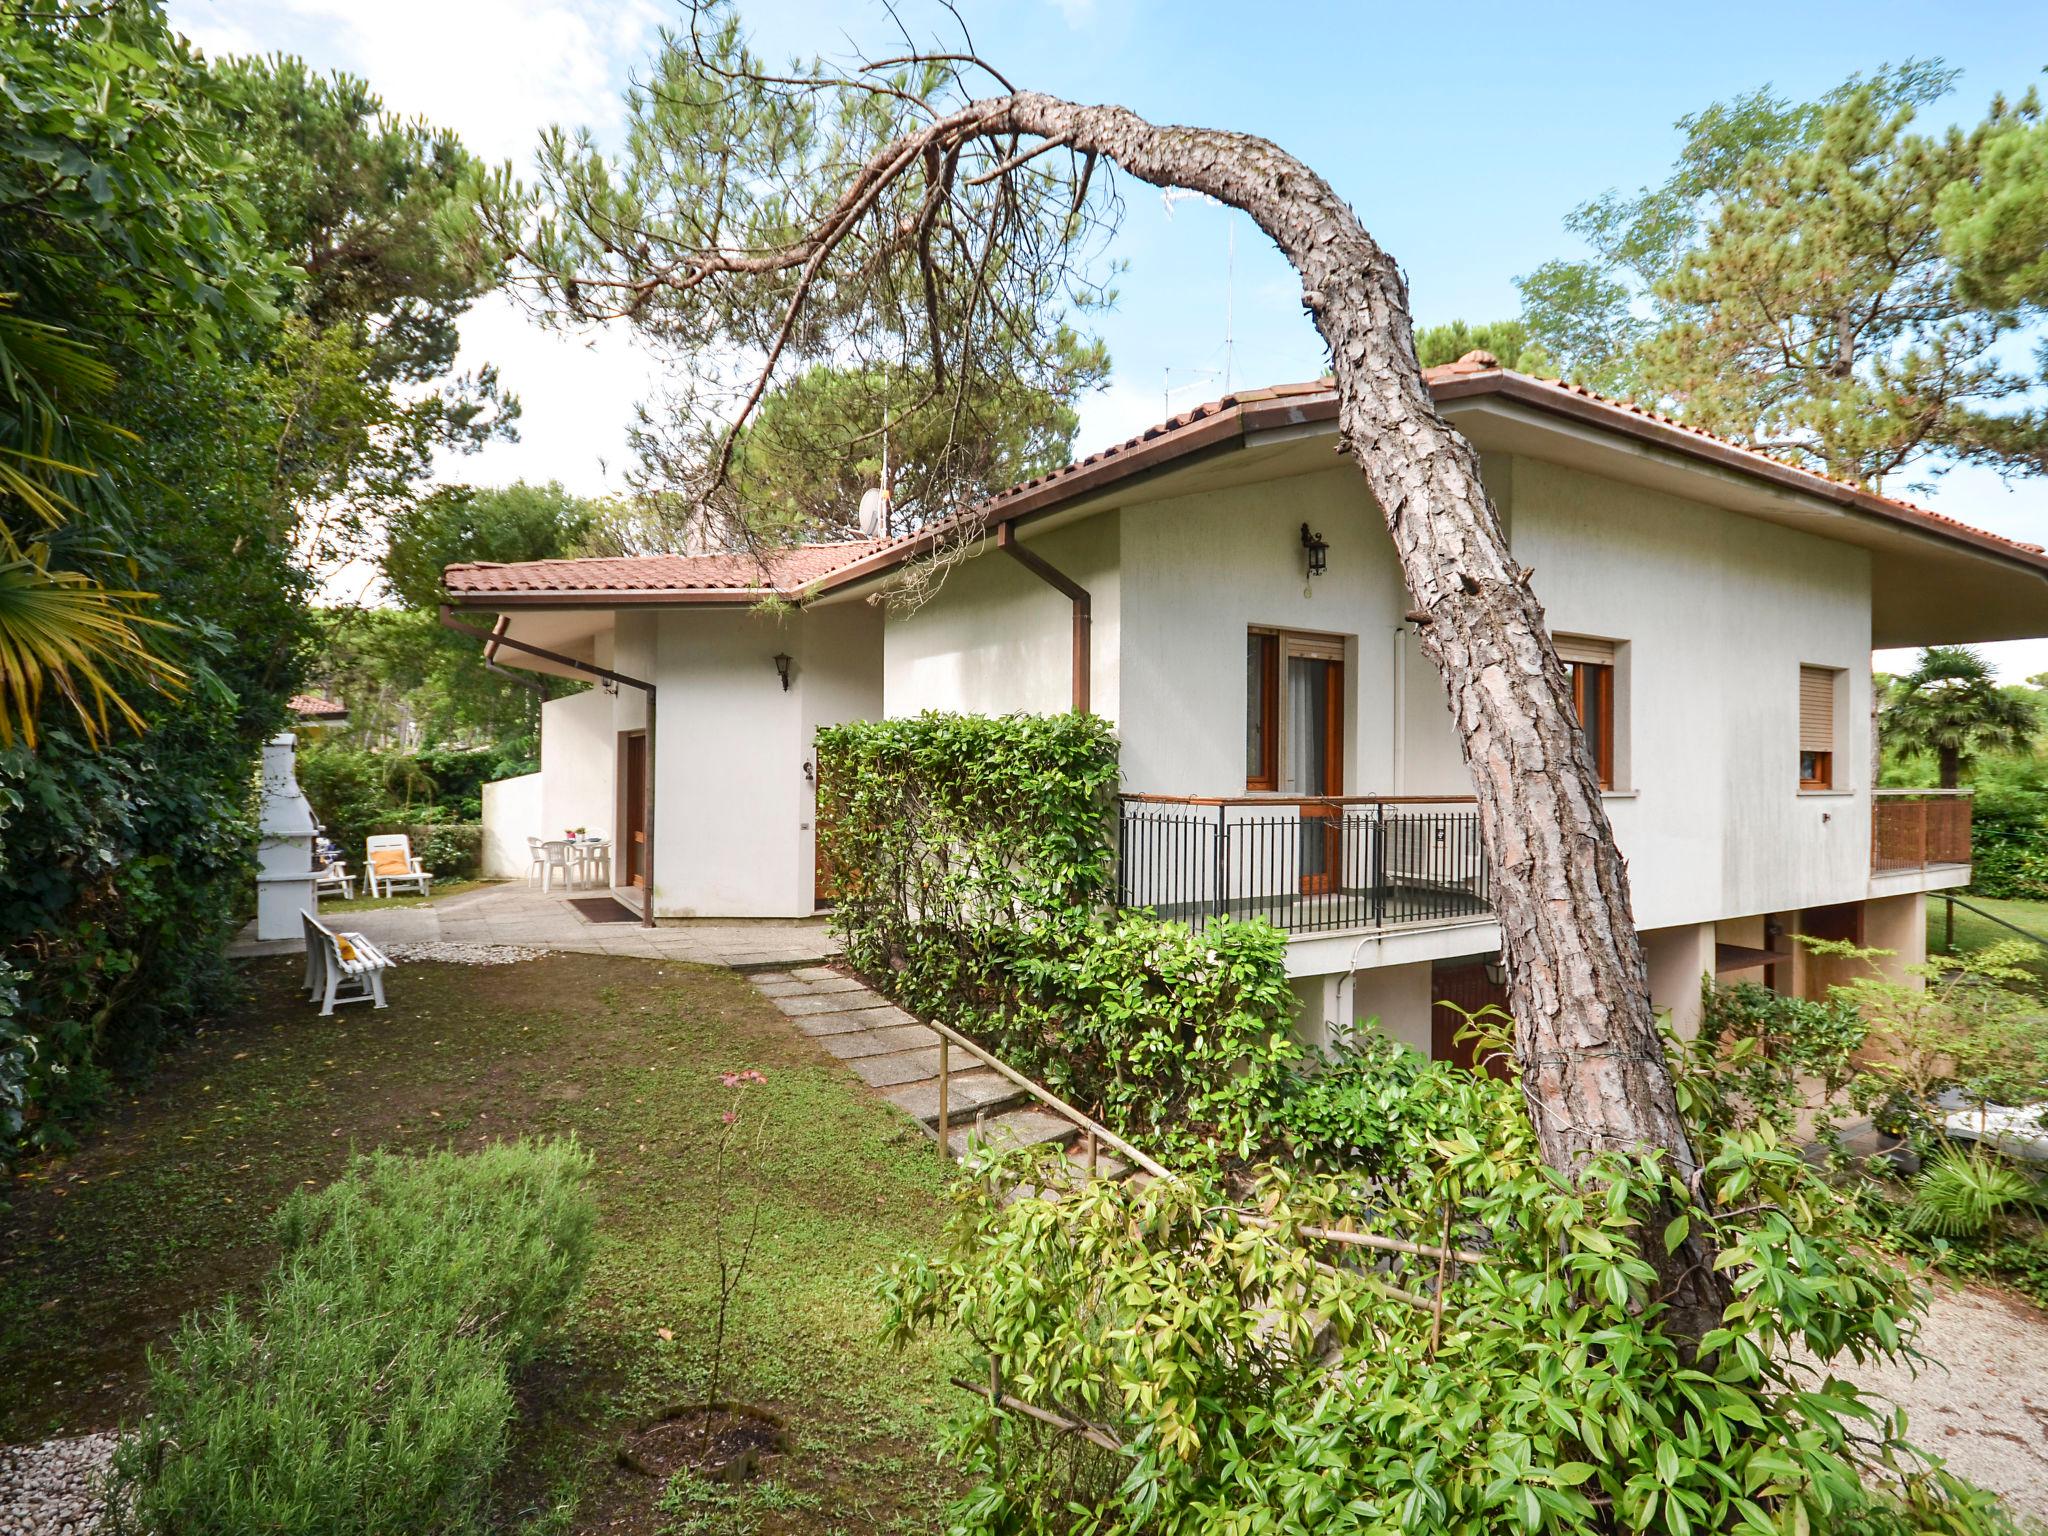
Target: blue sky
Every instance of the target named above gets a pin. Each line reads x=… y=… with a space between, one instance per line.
x=1462 y=135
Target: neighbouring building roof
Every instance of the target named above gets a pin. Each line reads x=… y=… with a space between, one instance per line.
x=310 y=706
x=819 y=567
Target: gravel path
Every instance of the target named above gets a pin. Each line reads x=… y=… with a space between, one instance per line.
x=53 y=1489
x=1980 y=1401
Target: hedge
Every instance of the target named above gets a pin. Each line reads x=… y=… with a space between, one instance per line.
x=367 y=1392
x=975 y=867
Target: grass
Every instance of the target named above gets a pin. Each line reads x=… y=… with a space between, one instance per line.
x=1975 y=932
x=441 y=890
x=166 y=1207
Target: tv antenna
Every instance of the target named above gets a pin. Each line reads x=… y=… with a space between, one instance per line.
x=1168 y=198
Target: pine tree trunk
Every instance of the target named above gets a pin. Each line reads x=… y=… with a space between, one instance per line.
x=1593 y=1069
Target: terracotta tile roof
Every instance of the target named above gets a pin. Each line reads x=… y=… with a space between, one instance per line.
x=310 y=706
x=791 y=571
x=785 y=571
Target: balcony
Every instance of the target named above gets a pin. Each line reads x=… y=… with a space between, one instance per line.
x=1305 y=866
x=1918 y=829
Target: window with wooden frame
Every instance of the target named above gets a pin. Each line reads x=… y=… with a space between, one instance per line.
x=1817 y=727
x=1294 y=712
x=1591 y=665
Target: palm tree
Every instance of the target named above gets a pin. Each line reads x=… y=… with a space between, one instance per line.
x=61 y=629
x=1951 y=708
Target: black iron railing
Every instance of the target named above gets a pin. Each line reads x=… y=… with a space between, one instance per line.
x=1306 y=866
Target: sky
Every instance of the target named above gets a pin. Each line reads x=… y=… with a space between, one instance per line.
x=1461 y=134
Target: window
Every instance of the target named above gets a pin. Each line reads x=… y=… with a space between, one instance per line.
x=1591 y=665
x=1817 y=727
x=1294 y=713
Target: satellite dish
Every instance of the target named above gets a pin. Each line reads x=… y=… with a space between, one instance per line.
x=874 y=513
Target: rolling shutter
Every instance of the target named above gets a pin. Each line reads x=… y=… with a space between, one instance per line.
x=1816 y=709
x=1572 y=648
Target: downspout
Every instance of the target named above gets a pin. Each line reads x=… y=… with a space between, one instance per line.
x=496 y=637
x=1074 y=592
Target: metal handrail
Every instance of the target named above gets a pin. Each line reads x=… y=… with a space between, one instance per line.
x=1278 y=798
x=1989 y=917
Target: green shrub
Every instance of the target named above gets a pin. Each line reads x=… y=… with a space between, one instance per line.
x=1253 y=1390
x=450 y=850
x=367 y=1392
x=1363 y=1108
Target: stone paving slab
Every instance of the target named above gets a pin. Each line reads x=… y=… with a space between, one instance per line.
x=820 y=1026
x=1013 y=1128
x=968 y=1092
x=852 y=1044
x=830 y=1002
x=899 y=1068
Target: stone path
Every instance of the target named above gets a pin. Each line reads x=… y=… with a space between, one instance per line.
x=898 y=1057
x=518 y=914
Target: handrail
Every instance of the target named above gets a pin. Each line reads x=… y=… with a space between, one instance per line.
x=949 y=1036
x=1989 y=917
x=1277 y=799
x=1923 y=794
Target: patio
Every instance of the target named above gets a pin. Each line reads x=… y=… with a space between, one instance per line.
x=521 y=914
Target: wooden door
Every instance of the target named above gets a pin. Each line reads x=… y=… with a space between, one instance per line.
x=1466 y=985
x=634 y=818
x=1315 y=726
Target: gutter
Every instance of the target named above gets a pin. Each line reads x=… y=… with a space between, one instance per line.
x=495 y=637
x=1074 y=592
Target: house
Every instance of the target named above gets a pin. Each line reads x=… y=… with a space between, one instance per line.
x=1222 y=588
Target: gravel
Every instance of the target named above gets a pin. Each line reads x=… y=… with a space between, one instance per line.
x=450 y=953
x=53 y=1489
x=1980 y=1401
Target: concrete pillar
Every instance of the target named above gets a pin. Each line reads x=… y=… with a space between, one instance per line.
x=1398 y=997
x=1677 y=959
x=284 y=851
x=1317 y=1020
x=1899 y=924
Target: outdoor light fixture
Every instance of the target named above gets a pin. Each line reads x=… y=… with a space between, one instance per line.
x=1318 y=551
x=1496 y=973
x=782 y=669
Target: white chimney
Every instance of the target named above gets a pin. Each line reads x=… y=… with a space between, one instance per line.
x=284 y=882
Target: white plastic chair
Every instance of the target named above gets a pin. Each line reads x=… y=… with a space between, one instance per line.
x=536 y=860
x=332 y=878
x=414 y=877
x=554 y=853
x=596 y=854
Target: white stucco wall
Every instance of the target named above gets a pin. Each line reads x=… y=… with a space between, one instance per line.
x=994 y=639
x=1718 y=612
x=513 y=811
x=578 y=762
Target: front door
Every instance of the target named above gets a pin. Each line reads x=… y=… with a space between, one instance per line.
x=1315 y=755
x=1456 y=989
x=634 y=812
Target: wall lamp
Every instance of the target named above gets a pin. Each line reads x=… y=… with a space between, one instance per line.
x=1496 y=973
x=782 y=668
x=1318 y=551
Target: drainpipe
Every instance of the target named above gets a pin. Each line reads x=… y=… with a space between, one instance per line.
x=1074 y=592
x=496 y=637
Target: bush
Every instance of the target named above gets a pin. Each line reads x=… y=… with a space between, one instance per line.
x=975 y=863
x=450 y=850
x=1363 y=1109
x=367 y=1393
x=1252 y=1389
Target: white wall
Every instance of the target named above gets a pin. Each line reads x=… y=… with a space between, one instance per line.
x=578 y=762
x=513 y=812
x=1719 y=612
x=994 y=639
x=734 y=807
x=1398 y=997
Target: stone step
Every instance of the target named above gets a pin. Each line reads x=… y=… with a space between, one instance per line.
x=1027 y=1127
x=888 y=1041
x=968 y=1094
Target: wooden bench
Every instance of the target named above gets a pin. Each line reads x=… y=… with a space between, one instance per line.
x=342 y=967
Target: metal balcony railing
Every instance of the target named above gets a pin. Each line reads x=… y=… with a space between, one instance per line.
x=1918 y=828
x=1304 y=865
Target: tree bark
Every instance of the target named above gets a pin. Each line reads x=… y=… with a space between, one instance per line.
x=1593 y=1068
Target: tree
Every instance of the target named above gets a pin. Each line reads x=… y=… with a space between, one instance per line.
x=804 y=205
x=460 y=523
x=1951 y=708
x=367 y=209
x=1995 y=228
x=1788 y=287
x=1507 y=340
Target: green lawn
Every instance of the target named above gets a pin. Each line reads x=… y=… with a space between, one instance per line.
x=368 y=903
x=1974 y=932
x=165 y=1208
